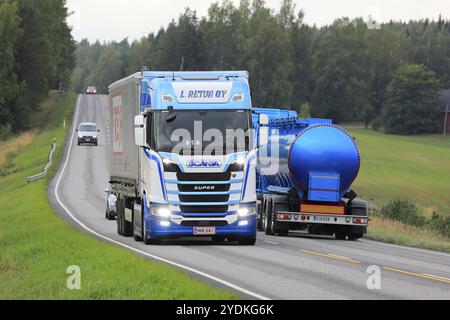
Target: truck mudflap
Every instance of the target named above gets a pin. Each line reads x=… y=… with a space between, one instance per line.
x=314 y=218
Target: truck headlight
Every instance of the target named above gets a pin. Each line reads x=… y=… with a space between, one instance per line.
x=162 y=212
x=246 y=211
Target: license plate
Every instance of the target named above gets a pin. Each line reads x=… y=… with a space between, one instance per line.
x=88 y=140
x=204 y=231
x=324 y=219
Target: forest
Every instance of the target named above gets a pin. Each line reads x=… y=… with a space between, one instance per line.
x=36 y=55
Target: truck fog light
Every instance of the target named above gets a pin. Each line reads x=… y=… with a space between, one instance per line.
x=243 y=223
x=163 y=212
x=165 y=224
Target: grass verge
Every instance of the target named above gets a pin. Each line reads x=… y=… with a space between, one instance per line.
x=386 y=230
x=37 y=246
x=416 y=168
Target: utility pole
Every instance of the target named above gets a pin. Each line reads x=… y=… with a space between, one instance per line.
x=445 y=121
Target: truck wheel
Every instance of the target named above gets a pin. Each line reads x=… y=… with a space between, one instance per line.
x=354 y=236
x=340 y=235
x=280 y=228
x=124 y=228
x=259 y=221
x=247 y=241
x=267 y=221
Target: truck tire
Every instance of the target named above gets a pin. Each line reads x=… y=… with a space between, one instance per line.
x=280 y=228
x=259 y=212
x=124 y=228
x=354 y=236
x=267 y=217
x=136 y=237
x=358 y=208
x=340 y=235
x=247 y=241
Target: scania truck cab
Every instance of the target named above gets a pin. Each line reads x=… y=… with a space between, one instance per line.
x=183 y=156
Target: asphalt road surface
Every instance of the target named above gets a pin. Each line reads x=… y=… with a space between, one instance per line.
x=295 y=267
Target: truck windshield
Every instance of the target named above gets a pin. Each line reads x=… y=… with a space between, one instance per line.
x=205 y=132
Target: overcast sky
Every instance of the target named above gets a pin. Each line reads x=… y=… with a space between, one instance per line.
x=108 y=20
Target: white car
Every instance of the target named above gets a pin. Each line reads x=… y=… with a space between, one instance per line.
x=88 y=133
x=111 y=208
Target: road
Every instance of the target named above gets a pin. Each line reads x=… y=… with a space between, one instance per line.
x=295 y=267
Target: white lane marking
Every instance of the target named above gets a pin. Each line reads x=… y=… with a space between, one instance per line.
x=178 y=265
x=368 y=241
x=432 y=275
x=271 y=242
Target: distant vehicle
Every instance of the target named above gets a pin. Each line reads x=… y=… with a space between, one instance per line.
x=91 y=90
x=111 y=209
x=88 y=133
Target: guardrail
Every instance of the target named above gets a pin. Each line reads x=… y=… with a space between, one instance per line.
x=47 y=166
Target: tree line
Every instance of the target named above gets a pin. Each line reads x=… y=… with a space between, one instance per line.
x=36 y=55
x=348 y=71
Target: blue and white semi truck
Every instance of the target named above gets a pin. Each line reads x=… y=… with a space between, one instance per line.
x=171 y=172
x=304 y=178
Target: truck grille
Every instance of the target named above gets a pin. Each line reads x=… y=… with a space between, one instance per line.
x=205 y=198
x=204 y=209
x=204 y=223
x=214 y=183
x=216 y=176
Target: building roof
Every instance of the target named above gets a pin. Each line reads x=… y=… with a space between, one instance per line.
x=444 y=100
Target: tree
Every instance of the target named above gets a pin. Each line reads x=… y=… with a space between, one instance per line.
x=343 y=71
x=412 y=100
x=269 y=59
x=9 y=88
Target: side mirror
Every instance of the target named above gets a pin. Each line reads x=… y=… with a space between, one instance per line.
x=98 y=130
x=139 y=131
x=106 y=190
x=76 y=130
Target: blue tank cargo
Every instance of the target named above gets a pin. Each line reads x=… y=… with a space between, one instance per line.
x=305 y=174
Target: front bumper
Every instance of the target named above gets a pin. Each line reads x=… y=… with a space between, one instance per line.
x=87 y=140
x=242 y=228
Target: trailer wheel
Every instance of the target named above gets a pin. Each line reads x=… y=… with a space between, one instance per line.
x=280 y=228
x=354 y=236
x=340 y=235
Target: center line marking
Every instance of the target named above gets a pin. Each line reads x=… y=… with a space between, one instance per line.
x=420 y=275
x=271 y=242
x=331 y=256
x=439 y=277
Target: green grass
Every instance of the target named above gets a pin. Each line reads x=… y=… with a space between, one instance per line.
x=411 y=167
x=416 y=168
x=37 y=246
x=387 y=230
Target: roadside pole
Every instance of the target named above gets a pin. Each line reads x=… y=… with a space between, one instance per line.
x=445 y=121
